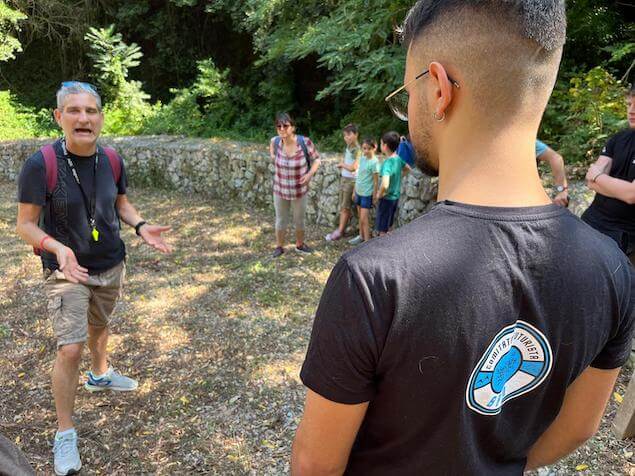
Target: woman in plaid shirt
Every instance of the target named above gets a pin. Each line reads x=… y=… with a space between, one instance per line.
x=293 y=172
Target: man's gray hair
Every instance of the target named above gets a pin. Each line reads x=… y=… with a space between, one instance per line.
x=543 y=21
x=76 y=87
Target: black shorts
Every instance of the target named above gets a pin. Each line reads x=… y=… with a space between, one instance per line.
x=386 y=211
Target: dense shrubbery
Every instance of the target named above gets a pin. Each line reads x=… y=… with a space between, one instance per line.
x=223 y=68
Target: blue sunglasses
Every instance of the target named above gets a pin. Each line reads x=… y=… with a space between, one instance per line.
x=86 y=86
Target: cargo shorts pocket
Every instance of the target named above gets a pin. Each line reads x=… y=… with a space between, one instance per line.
x=54 y=308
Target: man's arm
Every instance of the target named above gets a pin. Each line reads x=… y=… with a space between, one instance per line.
x=599 y=180
x=325 y=436
x=579 y=418
x=151 y=234
x=27 y=228
x=556 y=162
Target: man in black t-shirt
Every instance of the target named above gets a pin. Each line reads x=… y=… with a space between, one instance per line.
x=71 y=197
x=485 y=337
x=612 y=177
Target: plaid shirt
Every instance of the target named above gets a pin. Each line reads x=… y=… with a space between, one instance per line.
x=289 y=170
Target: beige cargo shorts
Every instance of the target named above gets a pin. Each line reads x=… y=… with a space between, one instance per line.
x=72 y=307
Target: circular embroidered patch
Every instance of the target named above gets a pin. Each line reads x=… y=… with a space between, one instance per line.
x=517 y=361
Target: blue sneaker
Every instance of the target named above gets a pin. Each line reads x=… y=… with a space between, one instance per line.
x=111 y=380
x=65 y=453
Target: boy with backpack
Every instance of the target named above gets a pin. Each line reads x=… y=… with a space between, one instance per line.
x=348 y=168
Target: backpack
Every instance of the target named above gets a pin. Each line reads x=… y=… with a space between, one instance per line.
x=301 y=141
x=50 y=167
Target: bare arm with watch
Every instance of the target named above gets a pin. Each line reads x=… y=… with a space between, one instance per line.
x=151 y=234
x=556 y=162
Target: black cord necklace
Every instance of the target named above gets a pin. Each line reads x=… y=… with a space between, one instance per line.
x=91 y=205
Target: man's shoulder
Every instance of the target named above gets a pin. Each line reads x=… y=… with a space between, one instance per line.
x=622 y=135
x=35 y=160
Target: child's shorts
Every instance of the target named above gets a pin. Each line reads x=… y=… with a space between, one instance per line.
x=347 y=185
x=364 y=202
x=386 y=211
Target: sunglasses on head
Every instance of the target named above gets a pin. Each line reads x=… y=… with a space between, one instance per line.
x=81 y=84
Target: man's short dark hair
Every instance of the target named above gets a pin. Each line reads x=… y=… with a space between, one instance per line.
x=543 y=21
x=392 y=140
x=351 y=129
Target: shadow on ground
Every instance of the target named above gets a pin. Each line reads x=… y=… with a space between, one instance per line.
x=215 y=334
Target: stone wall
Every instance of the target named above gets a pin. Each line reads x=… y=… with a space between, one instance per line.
x=222 y=169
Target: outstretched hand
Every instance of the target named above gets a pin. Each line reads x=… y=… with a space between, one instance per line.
x=68 y=264
x=151 y=234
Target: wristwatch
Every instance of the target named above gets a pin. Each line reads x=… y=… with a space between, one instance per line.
x=560 y=188
x=138 y=226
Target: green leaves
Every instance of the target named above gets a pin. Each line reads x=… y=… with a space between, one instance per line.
x=9 y=20
x=112 y=57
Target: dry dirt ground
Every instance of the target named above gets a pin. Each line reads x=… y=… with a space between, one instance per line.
x=215 y=334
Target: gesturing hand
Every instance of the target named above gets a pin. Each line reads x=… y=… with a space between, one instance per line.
x=151 y=234
x=68 y=264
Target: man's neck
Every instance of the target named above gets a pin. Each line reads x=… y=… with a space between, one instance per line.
x=80 y=150
x=494 y=169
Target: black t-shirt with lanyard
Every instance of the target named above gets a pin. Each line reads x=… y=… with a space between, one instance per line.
x=67 y=211
x=611 y=216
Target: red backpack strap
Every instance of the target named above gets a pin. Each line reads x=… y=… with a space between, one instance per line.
x=115 y=163
x=50 y=165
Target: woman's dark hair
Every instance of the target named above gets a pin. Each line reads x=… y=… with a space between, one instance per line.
x=351 y=129
x=284 y=118
x=392 y=140
x=369 y=141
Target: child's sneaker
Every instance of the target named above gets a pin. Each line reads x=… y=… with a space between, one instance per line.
x=304 y=249
x=65 y=453
x=357 y=240
x=111 y=380
x=333 y=236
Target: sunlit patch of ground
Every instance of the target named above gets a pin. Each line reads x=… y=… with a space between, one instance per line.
x=215 y=334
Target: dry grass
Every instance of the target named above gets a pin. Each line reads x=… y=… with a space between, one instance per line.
x=215 y=334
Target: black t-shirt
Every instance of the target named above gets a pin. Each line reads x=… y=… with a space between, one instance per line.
x=64 y=212
x=463 y=330
x=610 y=215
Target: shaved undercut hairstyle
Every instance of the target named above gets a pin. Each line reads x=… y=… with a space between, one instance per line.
x=506 y=52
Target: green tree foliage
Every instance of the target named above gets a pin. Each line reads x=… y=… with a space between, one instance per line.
x=9 y=44
x=224 y=67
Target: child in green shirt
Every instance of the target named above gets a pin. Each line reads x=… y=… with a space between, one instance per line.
x=390 y=187
x=366 y=186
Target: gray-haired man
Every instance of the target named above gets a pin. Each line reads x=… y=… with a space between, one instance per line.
x=80 y=191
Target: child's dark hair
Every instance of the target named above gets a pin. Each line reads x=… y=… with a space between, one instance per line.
x=284 y=118
x=370 y=142
x=351 y=129
x=392 y=140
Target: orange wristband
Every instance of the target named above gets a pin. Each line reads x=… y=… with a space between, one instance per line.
x=47 y=237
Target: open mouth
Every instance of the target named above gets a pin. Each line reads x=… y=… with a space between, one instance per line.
x=83 y=131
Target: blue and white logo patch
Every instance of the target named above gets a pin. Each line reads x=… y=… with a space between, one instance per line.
x=518 y=360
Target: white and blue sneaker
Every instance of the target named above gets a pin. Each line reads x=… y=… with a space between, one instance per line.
x=65 y=453
x=111 y=380
x=357 y=240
